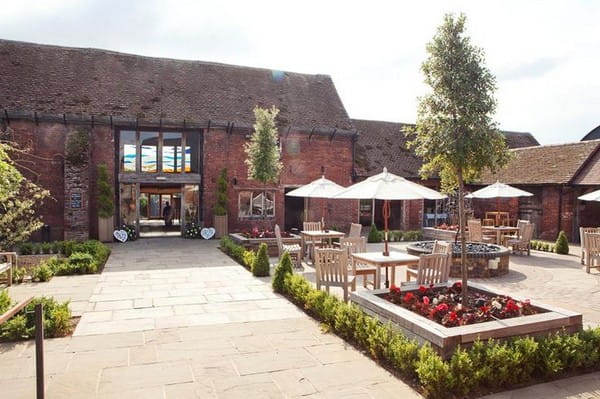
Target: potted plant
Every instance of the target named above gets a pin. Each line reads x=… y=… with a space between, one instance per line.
x=220 y=211
x=106 y=205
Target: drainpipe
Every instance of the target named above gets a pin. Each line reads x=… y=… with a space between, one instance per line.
x=560 y=193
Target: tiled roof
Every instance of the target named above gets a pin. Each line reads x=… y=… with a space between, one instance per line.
x=519 y=139
x=548 y=164
x=52 y=79
x=384 y=144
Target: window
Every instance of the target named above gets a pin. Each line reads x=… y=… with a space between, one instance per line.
x=171 y=152
x=149 y=149
x=128 y=151
x=256 y=204
x=192 y=144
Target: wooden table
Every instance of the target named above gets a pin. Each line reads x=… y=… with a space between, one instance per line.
x=313 y=235
x=500 y=231
x=378 y=260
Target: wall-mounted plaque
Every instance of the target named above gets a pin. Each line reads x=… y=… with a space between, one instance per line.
x=76 y=201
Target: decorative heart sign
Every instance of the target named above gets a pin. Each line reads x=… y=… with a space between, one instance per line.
x=207 y=233
x=120 y=235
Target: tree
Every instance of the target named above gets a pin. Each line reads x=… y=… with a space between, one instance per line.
x=106 y=204
x=222 y=199
x=455 y=133
x=263 y=152
x=19 y=198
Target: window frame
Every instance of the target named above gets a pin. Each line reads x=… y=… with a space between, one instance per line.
x=253 y=194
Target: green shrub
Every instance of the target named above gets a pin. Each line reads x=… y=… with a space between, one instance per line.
x=461 y=370
x=104 y=196
x=562 y=244
x=57 y=319
x=37 y=248
x=434 y=374
x=249 y=257
x=98 y=250
x=82 y=263
x=412 y=235
x=16 y=329
x=284 y=267
x=237 y=252
x=261 y=266
x=222 y=199
x=42 y=273
x=18 y=275
x=5 y=301
x=57 y=247
x=374 y=235
x=26 y=248
x=68 y=247
x=77 y=147
x=46 y=248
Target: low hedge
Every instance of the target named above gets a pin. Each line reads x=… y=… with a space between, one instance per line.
x=241 y=255
x=542 y=246
x=57 y=319
x=485 y=367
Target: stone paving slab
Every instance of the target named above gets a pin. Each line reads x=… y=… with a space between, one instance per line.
x=231 y=336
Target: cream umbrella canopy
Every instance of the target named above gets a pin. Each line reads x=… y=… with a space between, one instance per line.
x=320 y=188
x=498 y=190
x=387 y=187
x=593 y=196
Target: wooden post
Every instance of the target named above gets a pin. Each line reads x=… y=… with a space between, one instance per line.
x=39 y=349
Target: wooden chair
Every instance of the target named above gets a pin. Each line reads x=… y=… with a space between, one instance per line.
x=356 y=245
x=520 y=224
x=476 y=233
x=433 y=269
x=332 y=270
x=523 y=243
x=355 y=229
x=582 y=240
x=488 y=222
x=593 y=251
x=309 y=244
x=439 y=247
x=8 y=261
x=295 y=250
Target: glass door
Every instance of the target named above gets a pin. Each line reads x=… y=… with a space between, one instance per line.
x=190 y=205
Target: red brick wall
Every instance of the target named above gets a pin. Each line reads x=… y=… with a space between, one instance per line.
x=550 y=206
x=44 y=166
x=302 y=159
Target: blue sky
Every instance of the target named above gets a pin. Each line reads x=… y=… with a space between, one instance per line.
x=544 y=53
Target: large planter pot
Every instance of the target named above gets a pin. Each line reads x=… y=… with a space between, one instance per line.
x=106 y=227
x=221 y=228
x=445 y=340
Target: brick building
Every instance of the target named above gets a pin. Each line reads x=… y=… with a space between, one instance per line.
x=384 y=144
x=556 y=175
x=165 y=128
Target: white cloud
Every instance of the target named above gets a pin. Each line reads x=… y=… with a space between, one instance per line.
x=544 y=53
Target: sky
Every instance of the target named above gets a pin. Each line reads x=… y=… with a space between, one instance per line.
x=545 y=54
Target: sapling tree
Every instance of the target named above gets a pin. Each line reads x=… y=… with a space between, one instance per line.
x=455 y=133
x=263 y=161
x=19 y=199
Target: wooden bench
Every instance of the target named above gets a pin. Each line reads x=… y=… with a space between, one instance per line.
x=8 y=261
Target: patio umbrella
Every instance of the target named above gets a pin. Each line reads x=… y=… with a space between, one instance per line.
x=387 y=187
x=593 y=196
x=321 y=188
x=498 y=190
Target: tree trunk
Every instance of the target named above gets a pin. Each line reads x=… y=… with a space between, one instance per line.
x=463 y=239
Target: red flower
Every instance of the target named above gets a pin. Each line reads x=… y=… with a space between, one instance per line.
x=426 y=300
x=511 y=307
x=422 y=289
x=441 y=308
x=457 y=285
x=453 y=316
x=484 y=309
x=394 y=289
x=408 y=297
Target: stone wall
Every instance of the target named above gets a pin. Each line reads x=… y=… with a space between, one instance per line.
x=77 y=189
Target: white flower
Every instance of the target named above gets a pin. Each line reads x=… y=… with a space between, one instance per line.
x=496 y=305
x=435 y=301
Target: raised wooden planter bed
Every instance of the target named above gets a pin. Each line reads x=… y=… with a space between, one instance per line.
x=253 y=243
x=431 y=233
x=445 y=340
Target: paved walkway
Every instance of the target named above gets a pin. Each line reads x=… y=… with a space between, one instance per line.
x=191 y=324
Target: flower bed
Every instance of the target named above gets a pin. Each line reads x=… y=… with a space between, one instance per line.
x=446 y=339
x=444 y=305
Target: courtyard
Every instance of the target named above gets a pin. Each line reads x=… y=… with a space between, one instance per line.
x=174 y=318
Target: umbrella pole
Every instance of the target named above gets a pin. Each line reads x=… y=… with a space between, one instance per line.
x=386 y=252
x=323 y=213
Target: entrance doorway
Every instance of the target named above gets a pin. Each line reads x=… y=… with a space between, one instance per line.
x=294 y=210
x=160 y=210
